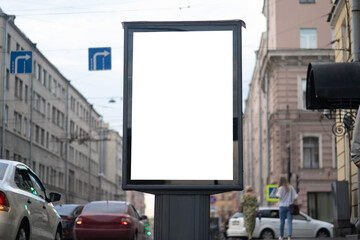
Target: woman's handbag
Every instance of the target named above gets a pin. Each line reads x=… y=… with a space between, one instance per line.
x=294 y=208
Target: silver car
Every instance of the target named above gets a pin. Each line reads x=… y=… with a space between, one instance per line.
x=26 y=210
x=268 y=226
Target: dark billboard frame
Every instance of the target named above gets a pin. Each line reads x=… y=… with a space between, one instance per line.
x=183 y=186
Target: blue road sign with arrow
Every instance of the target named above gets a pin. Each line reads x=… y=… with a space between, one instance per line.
x=99 y=59
x=21 y=62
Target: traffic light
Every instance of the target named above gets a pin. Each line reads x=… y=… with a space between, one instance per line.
x=297 y=183
x=147 y=232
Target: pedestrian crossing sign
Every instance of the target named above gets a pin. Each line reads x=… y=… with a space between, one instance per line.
x=271 y=193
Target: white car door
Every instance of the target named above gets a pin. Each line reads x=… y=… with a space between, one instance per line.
x=47 y=218
x=30 y=201
x=269 y=220
x=302 y=226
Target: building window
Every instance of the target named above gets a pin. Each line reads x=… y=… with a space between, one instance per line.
x=43 y=79
x=17 y=122
x=37 y=133
x=18 y=87
x=26 y=93
x=307 y=1
x=6 y=118
x=344 y=41
x=38 y=72
x=42 y=137
x=54 y=87
x=71 y=180
x=72 y=103
x=9 y=44
x=308 y=38
x=333 y=38
x=311 y=152
x=7 y=78
x=320 y=206
x=25 y=130
x=303 y=88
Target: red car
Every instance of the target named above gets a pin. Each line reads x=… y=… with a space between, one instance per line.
x=109 y=220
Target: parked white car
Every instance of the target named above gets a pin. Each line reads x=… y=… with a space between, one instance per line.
x=26 y=211
x=268 y=226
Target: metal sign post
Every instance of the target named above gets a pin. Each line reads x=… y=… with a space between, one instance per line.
x=182 y=119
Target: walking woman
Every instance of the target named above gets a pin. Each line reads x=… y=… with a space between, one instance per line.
x=286 y=194
x=250 y=208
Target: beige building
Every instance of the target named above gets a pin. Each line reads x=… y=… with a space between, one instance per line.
x=49 y=125
x=280 y=135
x=341 y=20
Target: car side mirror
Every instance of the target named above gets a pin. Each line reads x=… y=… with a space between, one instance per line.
x=55 y=197
x=143 y=217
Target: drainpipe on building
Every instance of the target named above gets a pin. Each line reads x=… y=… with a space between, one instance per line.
x=31 y=117
x=355 y=12
x=251 y=146
x=248 y=153
x=260 y=135
x=8 y=18
x=267 y=130
x=67 y=144
x=90 y=126
x=101 y=174
x=267 y=102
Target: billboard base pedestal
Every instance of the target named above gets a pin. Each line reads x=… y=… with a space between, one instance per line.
x=182 y=216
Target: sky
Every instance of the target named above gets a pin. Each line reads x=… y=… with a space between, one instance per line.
x=64 y=30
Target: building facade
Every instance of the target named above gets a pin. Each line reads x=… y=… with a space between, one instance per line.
x=341 y=19
x=281 y=137
x=49 y=125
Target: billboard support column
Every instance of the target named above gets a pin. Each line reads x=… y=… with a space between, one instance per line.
x=179 y=217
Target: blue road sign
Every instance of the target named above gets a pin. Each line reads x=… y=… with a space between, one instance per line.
x=99 y=59
x=21 y=62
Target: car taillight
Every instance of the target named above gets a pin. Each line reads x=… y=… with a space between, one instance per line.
x=79 y=221
x=124 y=221
x=4 y=203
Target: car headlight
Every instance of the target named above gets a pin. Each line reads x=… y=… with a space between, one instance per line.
x=332 y=225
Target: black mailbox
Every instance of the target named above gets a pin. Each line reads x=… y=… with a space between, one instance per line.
x=333 y=86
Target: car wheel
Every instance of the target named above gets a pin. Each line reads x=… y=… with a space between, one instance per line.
x=323 y=233
x=21 y=235
x=267 y=234
x=58 y=235
x=136 y=236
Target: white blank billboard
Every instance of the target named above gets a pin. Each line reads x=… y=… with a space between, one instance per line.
x=182 y=106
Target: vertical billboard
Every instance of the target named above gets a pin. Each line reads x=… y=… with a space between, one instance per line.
x=182 y=106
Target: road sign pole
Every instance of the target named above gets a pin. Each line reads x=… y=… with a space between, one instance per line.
x=179 y=217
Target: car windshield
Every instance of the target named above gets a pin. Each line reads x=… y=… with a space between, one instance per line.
x=105 y=207
x=237 y=215
x=65 y=209
x=3 y=167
